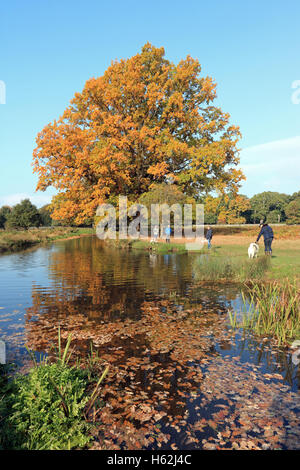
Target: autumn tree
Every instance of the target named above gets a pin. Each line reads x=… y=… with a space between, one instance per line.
x=144 y=120
x=228 y=208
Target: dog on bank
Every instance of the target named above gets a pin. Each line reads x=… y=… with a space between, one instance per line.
x=253 y=250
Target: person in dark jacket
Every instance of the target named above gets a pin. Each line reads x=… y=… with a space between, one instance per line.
x=267 y=232
x=208 y=236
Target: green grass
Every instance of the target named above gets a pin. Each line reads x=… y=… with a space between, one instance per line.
x=284 y=263
x=161 y=247
x=214 y=267
x=47 y=408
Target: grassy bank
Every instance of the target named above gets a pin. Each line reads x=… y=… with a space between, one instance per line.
x=15 y=240
x=284 y=263
x=50 y=407
x=232 y=250
x=161 y=247
x=281 y=231
x=175 y=246
x=218 y=268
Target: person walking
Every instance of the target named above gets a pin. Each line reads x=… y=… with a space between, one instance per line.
x=267 y=232
x=168 y=233
x=208 y=236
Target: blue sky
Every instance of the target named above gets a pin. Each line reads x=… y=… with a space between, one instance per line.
x=49 y=48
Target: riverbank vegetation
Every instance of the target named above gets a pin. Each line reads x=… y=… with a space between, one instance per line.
x=48 y=408
x=15 y=240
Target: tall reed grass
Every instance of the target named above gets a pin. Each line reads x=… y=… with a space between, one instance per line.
x=271 y=309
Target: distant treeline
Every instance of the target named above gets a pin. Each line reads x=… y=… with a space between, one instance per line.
x=25 y=215
x=269 y=206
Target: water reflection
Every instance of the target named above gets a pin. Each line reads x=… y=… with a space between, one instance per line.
x=90 y=278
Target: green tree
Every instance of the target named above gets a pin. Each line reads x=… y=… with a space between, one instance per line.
x=295 y=196
x=274 y=217
x=264 y=203
x=4 y=213
x=293 y=212
x=45 y=215
x=24 y=215
x=210 y=218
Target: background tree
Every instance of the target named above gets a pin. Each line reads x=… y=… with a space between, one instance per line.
x=143 y=121
x=45 y=216
x=23 y=215
x=293 y=212
x=264 y=203
x=275 y=217
x=4 y=213
x=226 y=209
x=295 y=196
x=163 y=194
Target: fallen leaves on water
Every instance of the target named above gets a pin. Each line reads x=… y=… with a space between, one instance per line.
x=169 y=388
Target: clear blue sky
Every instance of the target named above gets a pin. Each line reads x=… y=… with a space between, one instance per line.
x=49 y=48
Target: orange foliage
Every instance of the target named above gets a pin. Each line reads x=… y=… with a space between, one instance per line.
x=145 y=118
x=228 y=208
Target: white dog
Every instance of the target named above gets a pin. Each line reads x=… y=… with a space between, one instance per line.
x=253 y=250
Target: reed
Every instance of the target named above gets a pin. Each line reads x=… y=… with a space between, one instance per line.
x=271 y=309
